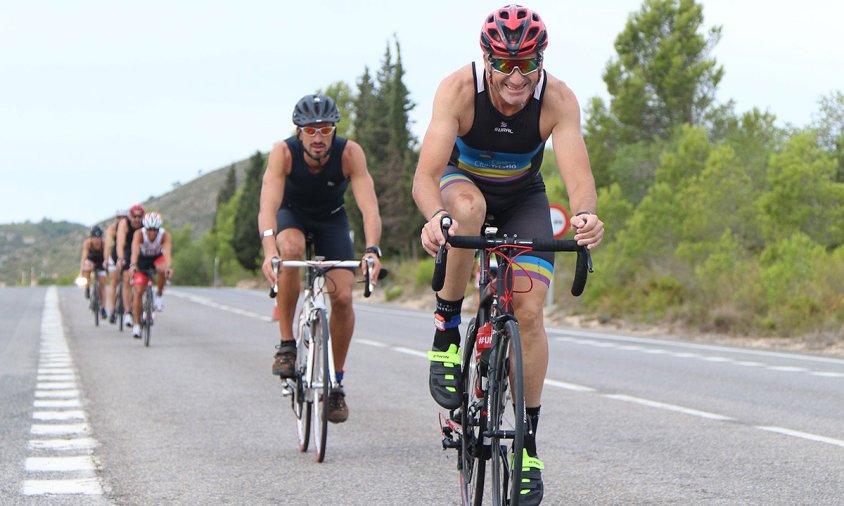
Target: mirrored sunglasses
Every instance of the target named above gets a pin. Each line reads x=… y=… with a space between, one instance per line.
x=506 y=66
x=312 y=131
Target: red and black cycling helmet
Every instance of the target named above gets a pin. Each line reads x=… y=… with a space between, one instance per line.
x=513 y=31
x=315 y=109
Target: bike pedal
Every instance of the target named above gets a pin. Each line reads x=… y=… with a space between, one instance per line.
x=286 y=391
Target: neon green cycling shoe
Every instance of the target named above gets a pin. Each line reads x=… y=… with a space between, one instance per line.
x=531 y=491
x=445 y=379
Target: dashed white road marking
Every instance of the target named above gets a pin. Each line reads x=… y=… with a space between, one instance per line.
x=61 y=441
x=803 y=435
x=668 y=407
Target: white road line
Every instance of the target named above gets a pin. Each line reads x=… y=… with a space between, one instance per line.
x=568 y=386
x=60 y=428
x=669 y=407
x=60 y=464
x=82 y=486
x=367 y=342
x=409 y=351
x=55 y=385
x=803 y=435
x=824 y=374
x=74 y=444
x=57 y=394
x=57 y=404
x=59 y=415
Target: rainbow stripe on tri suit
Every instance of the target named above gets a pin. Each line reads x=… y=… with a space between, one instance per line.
x=494 y=167
x=534 y=267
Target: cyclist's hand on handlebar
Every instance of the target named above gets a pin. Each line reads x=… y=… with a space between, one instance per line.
x=588 y=230
x=432 y=233
x=269 y=272
x=376 y=267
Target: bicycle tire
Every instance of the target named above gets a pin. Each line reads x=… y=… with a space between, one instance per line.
x=321 y=384
x=95 y=299
x=146 y=318
x=118 y=302
x=506 y=480
x=301 y=405
x=472 y=465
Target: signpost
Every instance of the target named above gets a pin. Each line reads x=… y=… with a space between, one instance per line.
x=559 y=225
x=559 y=220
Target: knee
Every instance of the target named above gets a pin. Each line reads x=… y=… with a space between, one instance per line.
x=341 y=301
x=531 y=322
x=468 y=206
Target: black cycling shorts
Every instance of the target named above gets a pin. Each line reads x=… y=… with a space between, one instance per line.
x=330 y=231
x=525 y=212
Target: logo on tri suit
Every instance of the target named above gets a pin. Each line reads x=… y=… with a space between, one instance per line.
x=503 y=128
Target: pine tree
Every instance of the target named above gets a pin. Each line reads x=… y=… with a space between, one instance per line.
x=226 y=192
x=244 y=239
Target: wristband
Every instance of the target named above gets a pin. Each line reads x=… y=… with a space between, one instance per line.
x=268 y=233
x=582 y=213
x=438 y=211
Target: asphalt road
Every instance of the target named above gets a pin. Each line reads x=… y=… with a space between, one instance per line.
x=90 y=416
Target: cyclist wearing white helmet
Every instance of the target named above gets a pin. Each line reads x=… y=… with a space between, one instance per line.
x=121 y=215
x=150 y=249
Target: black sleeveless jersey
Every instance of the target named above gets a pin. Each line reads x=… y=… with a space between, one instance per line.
x=320 y=193
x=502 y=154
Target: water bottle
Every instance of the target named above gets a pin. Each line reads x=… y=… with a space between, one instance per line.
x=482 y=345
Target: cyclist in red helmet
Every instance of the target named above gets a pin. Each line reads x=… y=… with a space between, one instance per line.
x=111 y=251
x=479 y=162
x=125 y=232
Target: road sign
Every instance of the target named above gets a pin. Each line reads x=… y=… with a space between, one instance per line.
x=559 y=220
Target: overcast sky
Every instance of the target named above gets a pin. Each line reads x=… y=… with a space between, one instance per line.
x=106 y=103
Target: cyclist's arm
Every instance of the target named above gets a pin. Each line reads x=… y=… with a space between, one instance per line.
x=453 y=96
x=122 y=228
x=85 y=245
x=363 y=188
x=136 y=249
x=279 y=165
x=109 y=239
x=166 y=247
x=573 y=161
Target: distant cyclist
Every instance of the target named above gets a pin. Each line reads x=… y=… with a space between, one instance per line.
x=151 y=247
x=480 y=161
x=125 y=232
x=303 y=192
x=93 y=257
x=111 y=251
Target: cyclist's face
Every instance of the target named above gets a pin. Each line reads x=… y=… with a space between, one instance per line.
x=317 y=144
x=136 y=219
x=516 y=88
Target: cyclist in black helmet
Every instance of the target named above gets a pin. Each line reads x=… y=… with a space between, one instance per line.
x=302 y=192
x=93 y=256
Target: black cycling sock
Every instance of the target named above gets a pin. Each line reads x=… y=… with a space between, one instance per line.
x=530 y=435
x=447 y=321
x=287 y=344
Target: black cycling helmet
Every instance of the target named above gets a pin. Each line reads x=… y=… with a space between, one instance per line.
x=96 y=231
x=315 y=109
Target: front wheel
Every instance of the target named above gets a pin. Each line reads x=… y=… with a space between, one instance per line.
x=301 y=405
x=147 y=316
x=472 y=458
x=321 y=385
x=95 y=301
x=507 y=416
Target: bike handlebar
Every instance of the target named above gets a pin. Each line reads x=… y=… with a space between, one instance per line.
x=582 y=268
x=325 y=264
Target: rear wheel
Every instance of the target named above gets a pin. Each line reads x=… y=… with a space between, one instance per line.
x=321 y=385
x=507 y=416
x=95 y=300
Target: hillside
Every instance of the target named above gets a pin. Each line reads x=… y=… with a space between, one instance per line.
x=50 y=251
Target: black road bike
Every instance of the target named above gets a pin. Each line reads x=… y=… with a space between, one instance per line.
x=488 y=428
